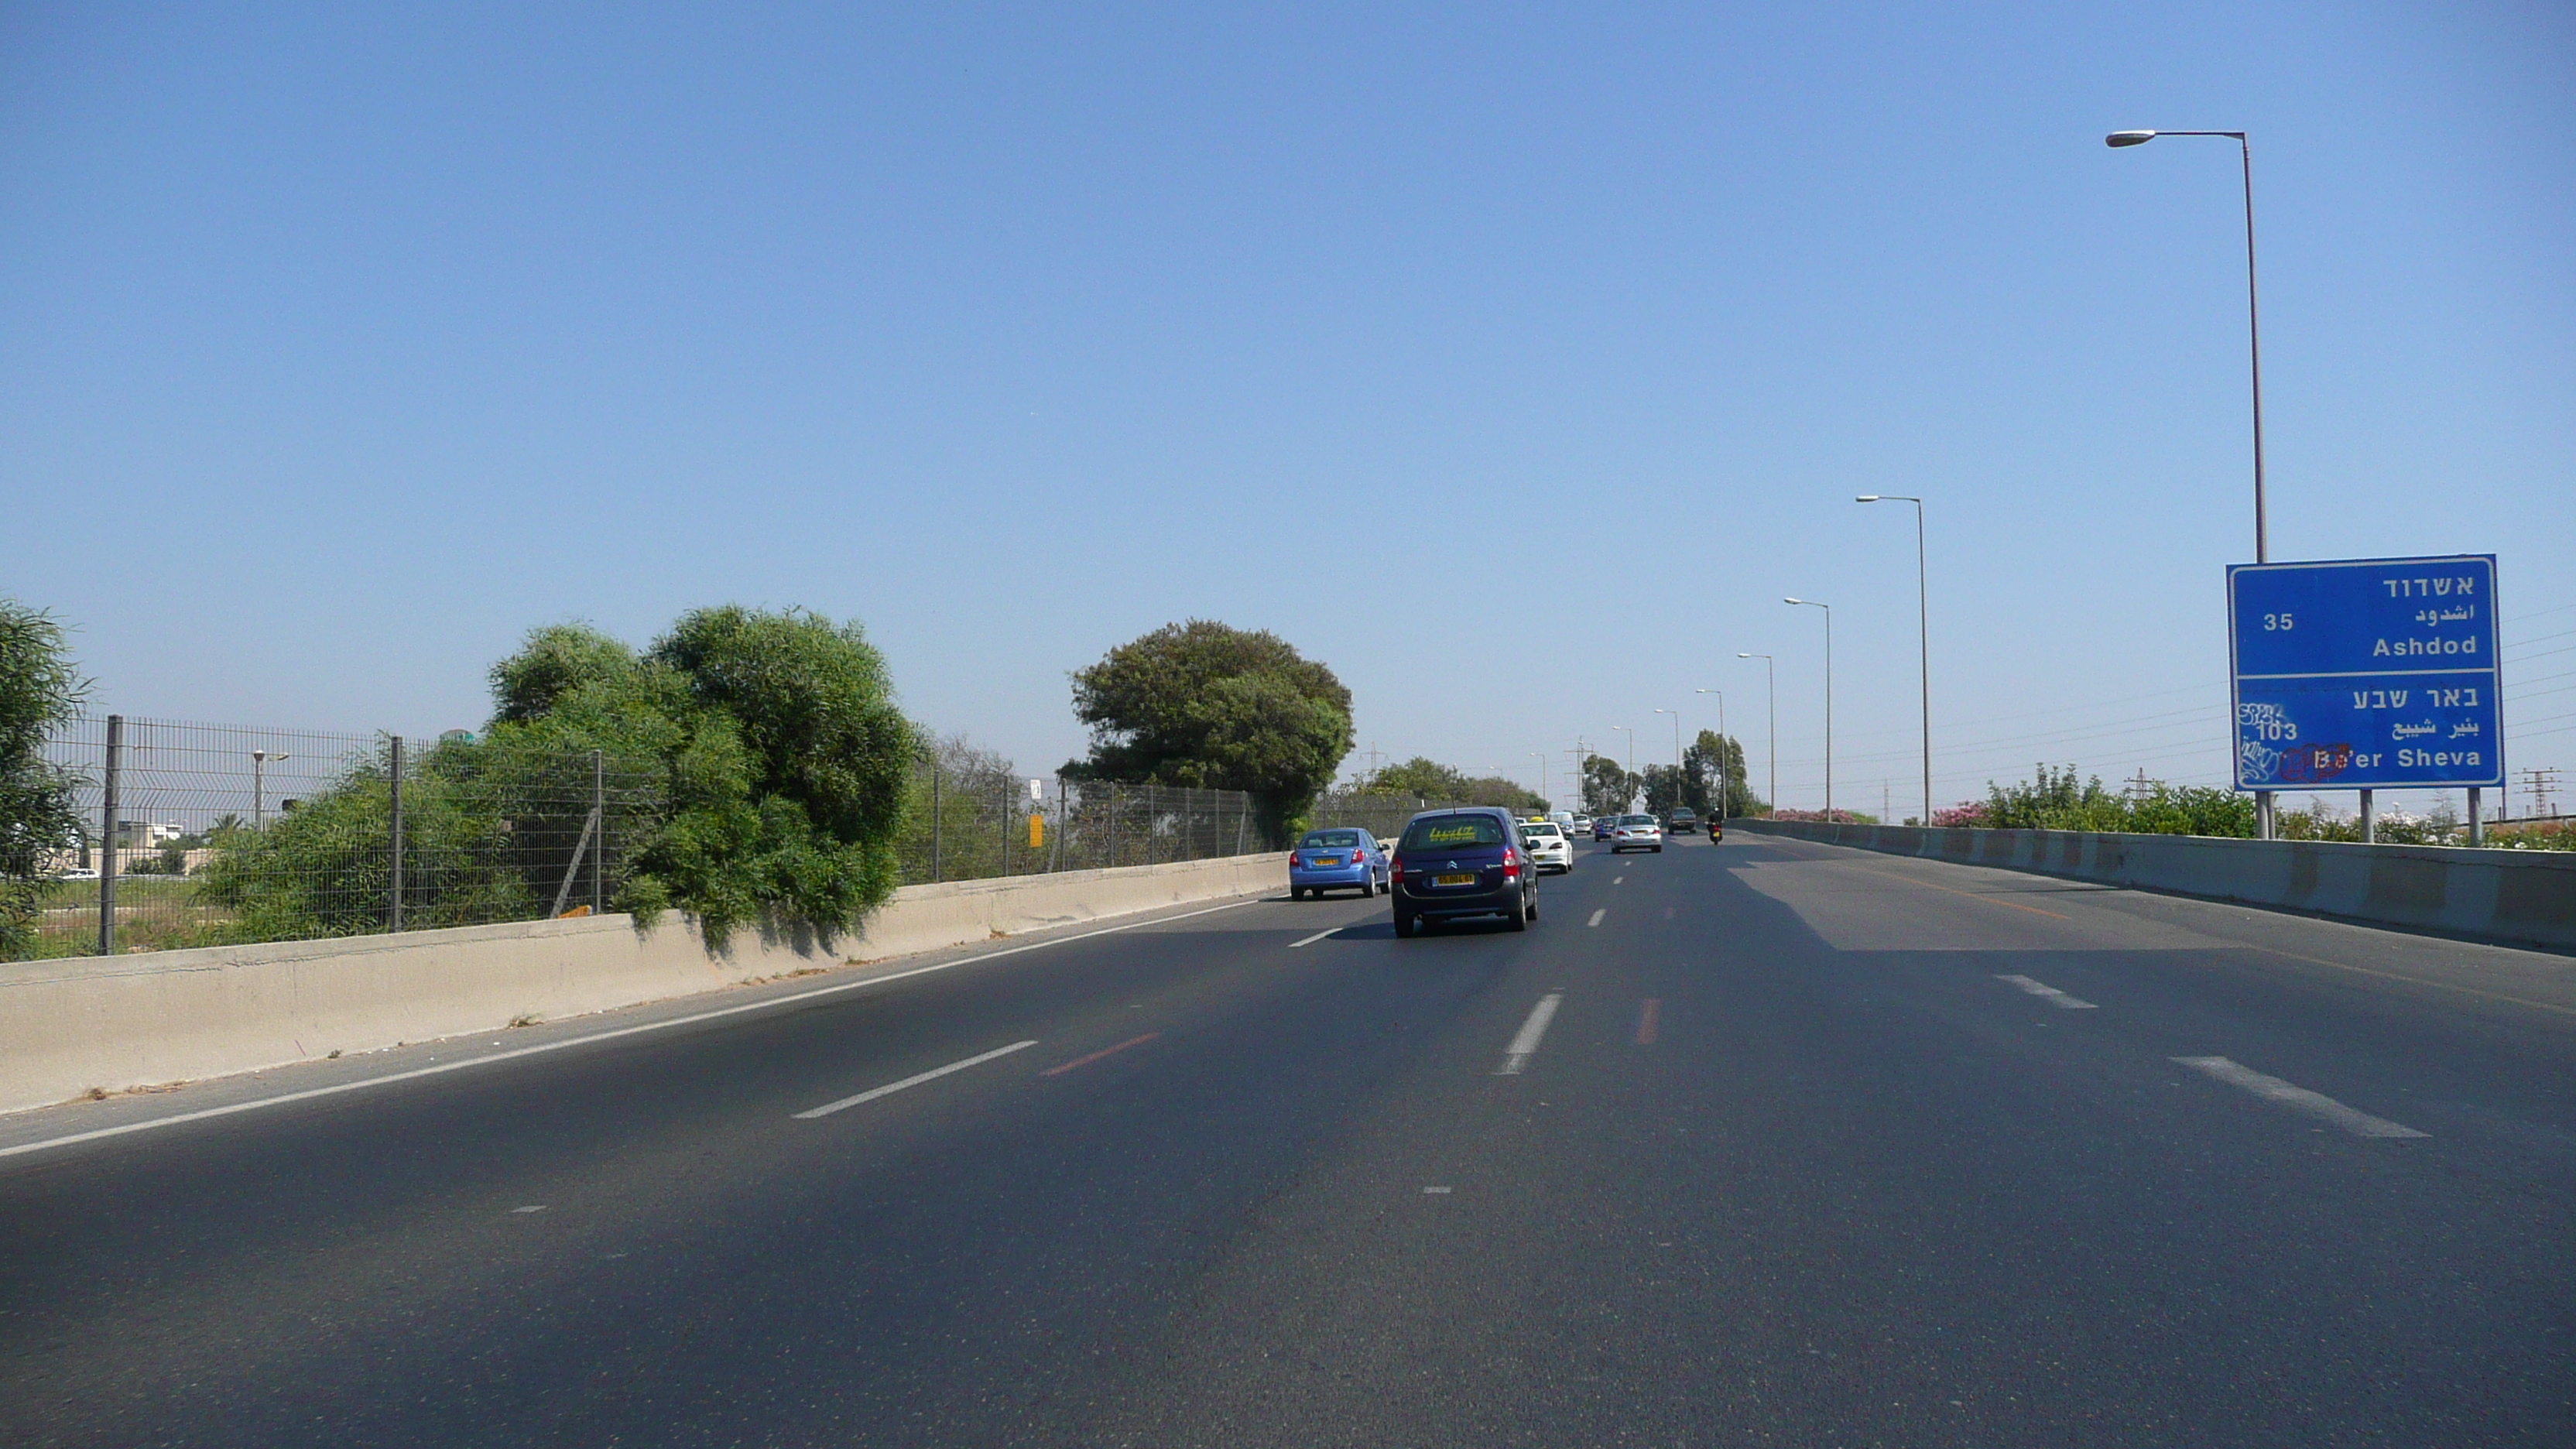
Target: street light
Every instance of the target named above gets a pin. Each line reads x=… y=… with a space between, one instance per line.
x=1771 y=690
x=1829 y=698
x=2254 y=350
x=259 y=784
x=1632 y=761
x=1722 y=776
x=1541 y=757
x=1923 y=624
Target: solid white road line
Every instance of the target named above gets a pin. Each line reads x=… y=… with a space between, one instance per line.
x=1311 y=940
x=915 y=1080
x=599 y=1036
x=1597 y=915
x=1525 y=1044
x=2049 y=994
x=2299 y=1099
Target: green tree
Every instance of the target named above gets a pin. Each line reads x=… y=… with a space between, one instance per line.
x=556 y=661
x=1607 y=788
x=39 y=690
x=1437 y=784
x=1209 y=706
x=1714 y=763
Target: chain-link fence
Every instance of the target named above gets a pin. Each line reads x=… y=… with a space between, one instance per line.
x=196 y=834
x=978 y=824
x=200 y=835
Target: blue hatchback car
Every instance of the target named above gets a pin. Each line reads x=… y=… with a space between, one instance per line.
x=1337 y=859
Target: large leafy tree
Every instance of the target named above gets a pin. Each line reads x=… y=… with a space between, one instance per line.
x=1608 y=789
x=1714 y=764
x=39 y=689
x=1206 y=705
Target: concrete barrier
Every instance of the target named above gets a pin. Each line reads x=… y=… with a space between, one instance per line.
x=114 y=1022
x=2526 y=897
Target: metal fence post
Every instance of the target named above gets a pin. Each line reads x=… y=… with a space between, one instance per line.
x=599 y=812
x=934 y=823
x=1063 y=822
x=1113 y=825
x=107 y=857
x=394 y=776
x=1003 y=813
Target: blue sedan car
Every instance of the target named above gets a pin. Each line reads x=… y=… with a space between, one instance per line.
x=1336 y=860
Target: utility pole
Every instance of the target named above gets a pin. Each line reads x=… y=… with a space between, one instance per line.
x=2540 y=782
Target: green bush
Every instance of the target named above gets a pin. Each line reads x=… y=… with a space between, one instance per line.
x=774 y=767
x=2053 y=800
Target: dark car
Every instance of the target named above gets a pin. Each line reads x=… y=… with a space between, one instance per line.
x=1603 y=825
x=1685 y=821
x=1465 y=862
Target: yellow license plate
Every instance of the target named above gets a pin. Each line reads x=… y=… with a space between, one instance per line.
x=1453 y=880
x=1325 y=860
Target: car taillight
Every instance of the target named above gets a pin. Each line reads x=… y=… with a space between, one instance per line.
x=1395 y=867
x=1511 y=863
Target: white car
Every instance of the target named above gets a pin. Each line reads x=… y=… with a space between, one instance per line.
x=1549 y=847
x=1581 y=827
x=1637 y=832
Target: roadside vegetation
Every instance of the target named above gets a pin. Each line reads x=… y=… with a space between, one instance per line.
x=1205 y=705
x=39 y=689
x=1434 y=783
x=775 y=761
x=2055 y=799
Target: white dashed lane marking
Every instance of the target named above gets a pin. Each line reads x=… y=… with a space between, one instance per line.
x=890 y=1088
x=2048 y=993
x=1311 y=940
x=1596 y=916
x=1525 y=1043
x=2298 y=1099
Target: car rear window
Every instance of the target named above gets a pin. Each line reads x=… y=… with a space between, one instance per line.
x=1329 y=840
x=1543 y=828
x=1449 y=832
x=1636 y=819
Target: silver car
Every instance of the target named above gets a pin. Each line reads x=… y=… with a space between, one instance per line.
x=1637 y=832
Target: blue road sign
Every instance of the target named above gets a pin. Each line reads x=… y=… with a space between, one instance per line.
x=2362 y=674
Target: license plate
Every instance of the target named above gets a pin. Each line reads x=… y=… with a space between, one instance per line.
x=1325 y=860
x=1453 y=880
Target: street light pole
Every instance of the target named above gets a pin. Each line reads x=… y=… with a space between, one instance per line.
x=1771 y=694
x=1632 y=760
x=259 y=785
x=1923 y=627
x=1829 y=698
x=1550 y=801
x=2254 y=352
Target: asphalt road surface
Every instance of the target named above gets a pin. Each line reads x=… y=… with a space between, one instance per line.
x=1761 y=1143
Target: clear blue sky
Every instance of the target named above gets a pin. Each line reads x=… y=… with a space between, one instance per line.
x=339 y=346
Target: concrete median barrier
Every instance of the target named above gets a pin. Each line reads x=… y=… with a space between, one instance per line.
x=112 y=1023
x=2522 y=897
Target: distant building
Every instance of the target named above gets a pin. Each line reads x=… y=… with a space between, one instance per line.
x=145 y=834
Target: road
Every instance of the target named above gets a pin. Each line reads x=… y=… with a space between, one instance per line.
x=1760 y=1143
